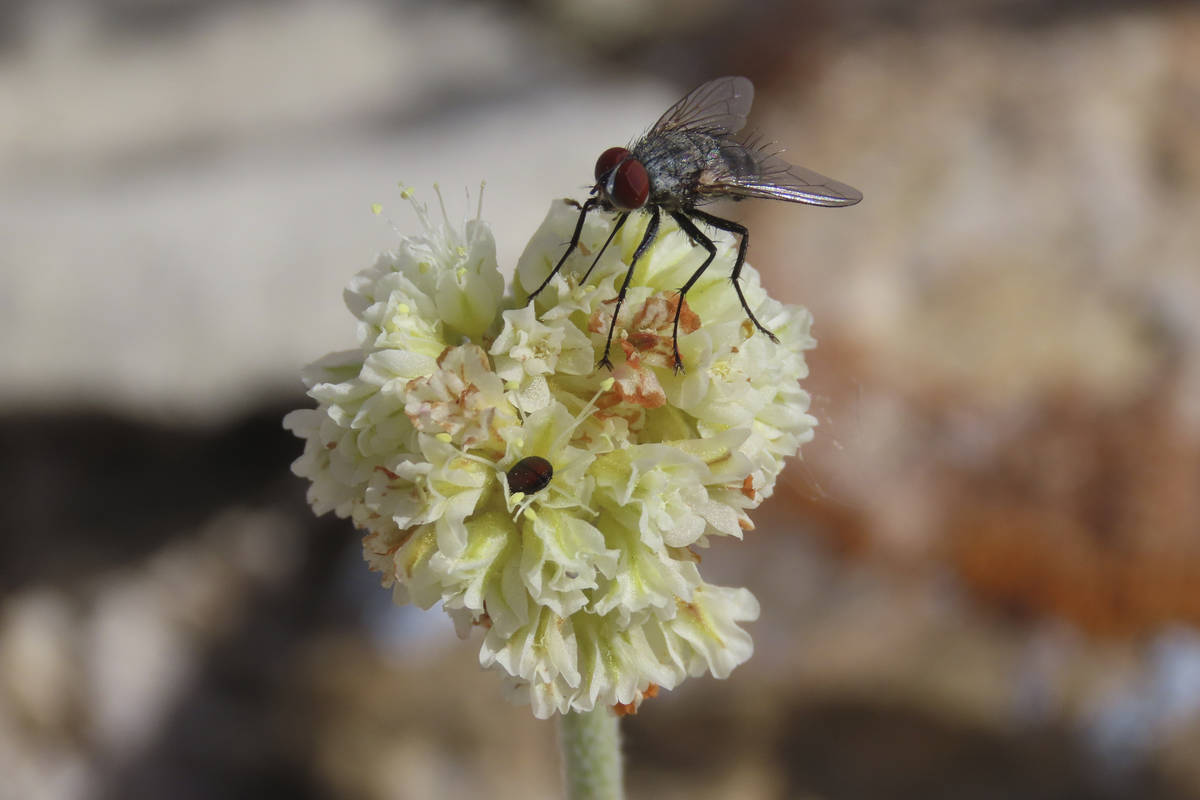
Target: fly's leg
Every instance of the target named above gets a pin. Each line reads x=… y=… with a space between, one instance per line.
x=697 y=236
x=620 y=221
x=588 y=205
x=740 y=230
x=647 y=240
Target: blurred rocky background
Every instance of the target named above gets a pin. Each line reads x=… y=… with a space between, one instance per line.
x=983 y=581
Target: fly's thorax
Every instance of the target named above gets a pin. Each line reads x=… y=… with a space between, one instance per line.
x=675 y=160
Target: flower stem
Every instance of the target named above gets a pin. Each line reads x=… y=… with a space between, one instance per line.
x=591 y=748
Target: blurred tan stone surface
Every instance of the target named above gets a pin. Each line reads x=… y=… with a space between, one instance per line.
x=980 y=583
x=1010 y=349
x=179 y=212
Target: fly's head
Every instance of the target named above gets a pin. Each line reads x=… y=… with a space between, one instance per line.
x=621 y=180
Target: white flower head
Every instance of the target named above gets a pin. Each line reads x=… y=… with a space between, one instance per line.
x=588 y=584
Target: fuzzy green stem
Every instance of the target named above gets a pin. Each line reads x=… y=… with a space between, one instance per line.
x=591 y=748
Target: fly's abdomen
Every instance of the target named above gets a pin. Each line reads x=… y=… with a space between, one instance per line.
x=737 y=159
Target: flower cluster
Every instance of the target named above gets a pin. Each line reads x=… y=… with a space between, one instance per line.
x=588 y=590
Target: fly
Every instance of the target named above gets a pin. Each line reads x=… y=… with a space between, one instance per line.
x=690 y=157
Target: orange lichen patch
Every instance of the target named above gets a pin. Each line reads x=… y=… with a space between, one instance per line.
x=1086 y=514
x=748 y=487
x=1040 y=563
x=1073 y=506
x=844 y=528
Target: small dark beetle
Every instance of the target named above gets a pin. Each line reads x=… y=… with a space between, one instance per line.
x=530 y=474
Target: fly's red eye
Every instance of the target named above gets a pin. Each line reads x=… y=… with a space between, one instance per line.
x=530 y=474
x=629 y=185
x=609 y=159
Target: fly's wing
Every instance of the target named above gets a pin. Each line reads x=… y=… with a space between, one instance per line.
x=746 y=170
x=717 y=107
